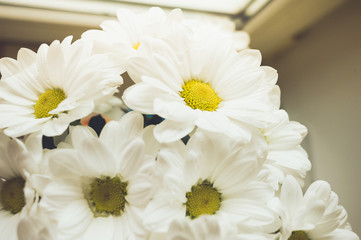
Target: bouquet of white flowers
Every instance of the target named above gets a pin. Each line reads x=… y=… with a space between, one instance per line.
x=198 y=147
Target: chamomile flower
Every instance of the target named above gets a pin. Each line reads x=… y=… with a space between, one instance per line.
x=124 y=37
x=285 y=154
x=18 y=195
x=211 y=175
x=47 y=90
x=101 y=185
x=315 y=215
x=209 y=86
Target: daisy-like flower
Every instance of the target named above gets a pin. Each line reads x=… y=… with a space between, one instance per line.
x=211 y=175
x=285 y=154
x=210 y=86
x=18 y=197
x=101 y=185
x=315 y=215
x=124 y=37
x=47 y=90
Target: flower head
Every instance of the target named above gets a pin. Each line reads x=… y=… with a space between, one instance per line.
x=19 y=198
x=314 y=215
x=214 y=176
x=47 y=90
x=103 y=181
x=122 y=38
x=209 y=86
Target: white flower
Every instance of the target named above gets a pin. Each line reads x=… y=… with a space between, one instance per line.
x=210 y=86
x=285 y=156
x=123 y=38
x=47 y=90
x=211 y=175
x=18 y=195
x=316 y=215
x=101 y=185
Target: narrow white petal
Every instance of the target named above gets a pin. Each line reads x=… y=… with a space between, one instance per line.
x=291 y=195
x=100 y=228
x=170 y=131
x=97 y=157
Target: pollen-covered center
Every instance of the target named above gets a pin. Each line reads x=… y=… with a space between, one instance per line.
x=12 y=195
x=202 y=199
x=48 y=101
x=107 y=196
x=298 y=235
x=200 y=95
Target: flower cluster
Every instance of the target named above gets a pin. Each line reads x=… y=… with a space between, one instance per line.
x=221 y=160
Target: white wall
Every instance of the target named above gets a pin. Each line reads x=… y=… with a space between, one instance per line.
x=320 y=80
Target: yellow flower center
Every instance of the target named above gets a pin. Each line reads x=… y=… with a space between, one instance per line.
x=298 y=235
x=107 y=196
x=200 y=95
x=12 y=195
x=202 y=199
x=136 y=46
x=48 y=101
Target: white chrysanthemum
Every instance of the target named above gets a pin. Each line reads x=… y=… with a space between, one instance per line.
x=285 y=156
x=123 y=38
x=316 y=215
x=49 y=89
x=19 y=163
x=101 y=185
x=211 y=175
x=210 y=86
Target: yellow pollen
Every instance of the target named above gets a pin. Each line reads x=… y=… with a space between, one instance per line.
x=202 y=199
x=108 y=196
x=47 y=102
x=136 y=46
x=200 y=95
x=12 y=195
x=298 y=235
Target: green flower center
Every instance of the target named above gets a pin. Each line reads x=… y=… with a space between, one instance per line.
x=107 y=196
x=48 y=101
x=298 y=235
x=200 y=95
x=202 y=199
x=12 y=195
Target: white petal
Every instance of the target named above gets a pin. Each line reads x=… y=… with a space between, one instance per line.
x=97 y=157
x=174 y=109
x=160 y=212
x=170 y=131
x=55 y=64
x=141 y=96
x=291 y=195
x=131 y=158
x=75 y=218
x=213 y=122
x=141 y=187
x=100 y=228
x=339 y=234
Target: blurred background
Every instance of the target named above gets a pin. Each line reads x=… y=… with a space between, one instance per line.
x=314 y=44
